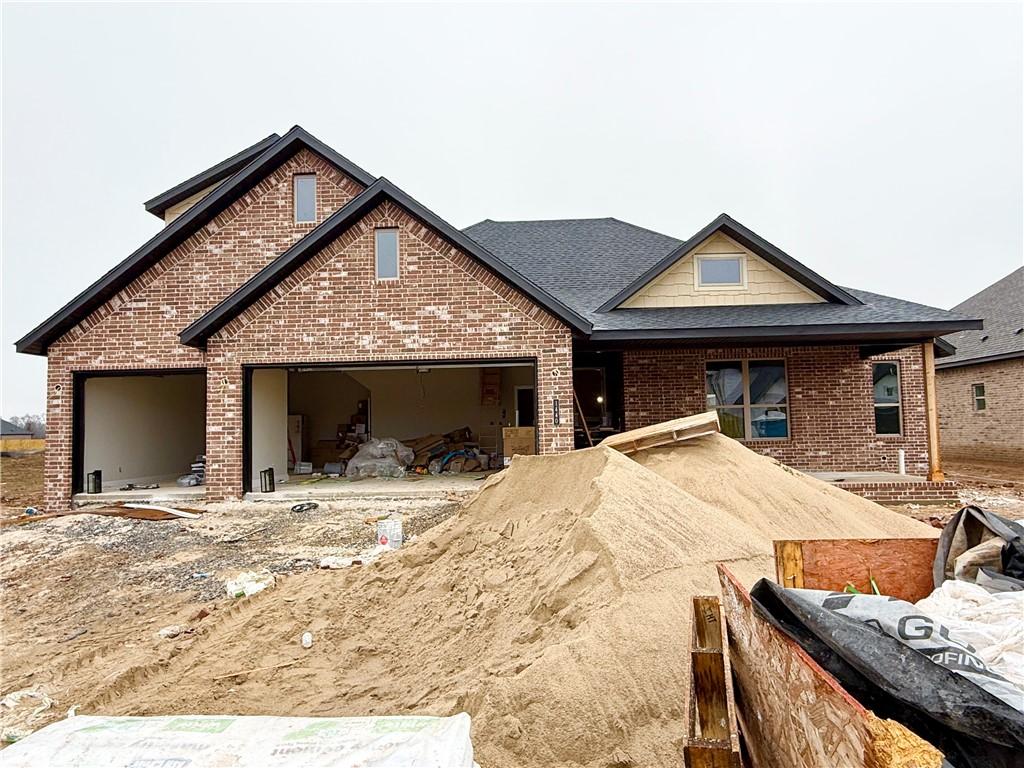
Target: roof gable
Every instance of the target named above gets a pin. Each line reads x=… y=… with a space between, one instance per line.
x=1001 y=306
x=202 y=329
x=751 y=241
x=178 y=231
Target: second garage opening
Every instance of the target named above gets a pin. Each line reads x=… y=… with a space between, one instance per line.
x=308 y=421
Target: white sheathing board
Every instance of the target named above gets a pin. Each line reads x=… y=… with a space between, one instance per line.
x=143 y=428
x=178 y=209
x=269 y=423
x=675 y=287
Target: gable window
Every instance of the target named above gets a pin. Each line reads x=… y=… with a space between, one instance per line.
x=720 y=272
x=386 y=253
x=886 y=380
x=751 y=397
x=305 y=198
x=978 y=393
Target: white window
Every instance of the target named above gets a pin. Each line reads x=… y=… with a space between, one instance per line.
x=305 y=198
x=386 y=253
x=978 y=391
x=886 y=380
x=721 y=272
x=751 y=397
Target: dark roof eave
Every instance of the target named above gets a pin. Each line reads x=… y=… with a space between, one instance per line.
x=980 y=360
x=213 y=175
x=751 y=240
x=196 y=334
x=845 y=332
x=36 y=341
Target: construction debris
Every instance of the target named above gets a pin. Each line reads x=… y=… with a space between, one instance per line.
x=666 y=433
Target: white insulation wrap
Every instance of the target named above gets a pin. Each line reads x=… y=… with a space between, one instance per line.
x=200 y=741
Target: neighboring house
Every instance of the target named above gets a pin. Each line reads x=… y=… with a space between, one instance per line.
x=7 y=429
x=293 y=296
x=981 y=387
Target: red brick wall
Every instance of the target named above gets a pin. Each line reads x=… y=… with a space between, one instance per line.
x=444 y=307
x=831 y=411
x=996 y=433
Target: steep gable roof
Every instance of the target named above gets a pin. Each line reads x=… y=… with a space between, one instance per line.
x=752 y=241
x=1001 y=306
x=337 y=224
x=174 y=234
x=214 y=175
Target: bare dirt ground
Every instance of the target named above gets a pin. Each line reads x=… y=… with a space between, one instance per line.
x=82 y=598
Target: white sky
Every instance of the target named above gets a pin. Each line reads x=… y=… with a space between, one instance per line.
x=880 y=144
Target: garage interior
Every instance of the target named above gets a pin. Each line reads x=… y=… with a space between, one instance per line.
x=307 y=423
x=140 y=430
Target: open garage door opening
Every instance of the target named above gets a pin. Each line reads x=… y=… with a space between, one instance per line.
x=139 y=430
x=309 y=422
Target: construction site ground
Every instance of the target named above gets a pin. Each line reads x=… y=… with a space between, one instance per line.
x=84 y=597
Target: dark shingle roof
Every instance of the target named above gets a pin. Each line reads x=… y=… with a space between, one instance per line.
x=586 y=262
x=1001 y=306
x=7 y=429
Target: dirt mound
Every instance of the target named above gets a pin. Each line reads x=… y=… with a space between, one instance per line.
x=554 y=609
x=777 y=501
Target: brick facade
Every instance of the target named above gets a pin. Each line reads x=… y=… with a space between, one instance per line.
x=996 y=433
x=831 y=404
x=444 y=307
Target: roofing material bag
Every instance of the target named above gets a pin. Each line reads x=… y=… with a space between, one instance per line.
x=906 y=667
x=980 y=546
x=247 y=742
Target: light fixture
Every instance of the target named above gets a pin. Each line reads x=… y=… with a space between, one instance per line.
x=600 y=398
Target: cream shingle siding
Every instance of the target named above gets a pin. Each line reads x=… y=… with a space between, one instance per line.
x=765 y=284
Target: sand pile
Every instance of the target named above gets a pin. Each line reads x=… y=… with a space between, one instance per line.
x=554 y=609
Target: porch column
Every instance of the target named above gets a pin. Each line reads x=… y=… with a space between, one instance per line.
x=935 y=473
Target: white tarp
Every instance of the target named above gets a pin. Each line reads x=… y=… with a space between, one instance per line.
x=205 y=741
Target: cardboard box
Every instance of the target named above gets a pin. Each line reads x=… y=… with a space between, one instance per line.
x=519 y=440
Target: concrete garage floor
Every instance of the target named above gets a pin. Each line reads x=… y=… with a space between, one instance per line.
x=408 y=487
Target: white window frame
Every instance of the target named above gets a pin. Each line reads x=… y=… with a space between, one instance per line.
x=740 y=257
x=748 y=406
x=899 y=397
x=982 y=398
x=398 y=255
x=295 y=197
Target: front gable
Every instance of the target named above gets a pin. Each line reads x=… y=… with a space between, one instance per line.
x=141 y=322
x=443 y=304
x=759 y=283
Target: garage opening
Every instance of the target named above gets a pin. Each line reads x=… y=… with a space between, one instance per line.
x=140 y=430
x=309 y=423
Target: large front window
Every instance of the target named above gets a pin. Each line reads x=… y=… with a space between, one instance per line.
x=750 y=396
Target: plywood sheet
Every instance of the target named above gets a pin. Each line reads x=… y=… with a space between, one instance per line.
x=902 y=568
x=792 y=713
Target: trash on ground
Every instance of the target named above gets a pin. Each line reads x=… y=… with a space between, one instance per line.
x=249 y=583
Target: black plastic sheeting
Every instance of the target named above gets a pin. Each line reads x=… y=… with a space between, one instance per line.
x=970 y=726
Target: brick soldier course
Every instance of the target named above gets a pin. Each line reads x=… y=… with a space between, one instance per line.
x=234 y=281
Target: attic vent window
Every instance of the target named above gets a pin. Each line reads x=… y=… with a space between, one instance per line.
x=305 y=198
x=720 y=272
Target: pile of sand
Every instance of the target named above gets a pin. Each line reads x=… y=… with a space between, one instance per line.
x=554 y=608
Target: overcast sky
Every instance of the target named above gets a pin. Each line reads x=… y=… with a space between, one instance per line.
x=879 y=144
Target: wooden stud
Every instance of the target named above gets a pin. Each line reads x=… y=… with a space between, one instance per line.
x=789 y=564
x=707 y=623
x=712 y=754
x=709 y=691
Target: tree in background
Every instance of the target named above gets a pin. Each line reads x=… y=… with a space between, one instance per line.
x=34 y=423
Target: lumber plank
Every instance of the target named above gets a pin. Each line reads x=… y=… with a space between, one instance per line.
x=709 y=692
x=707 y=622
x=665 y=433
x=789 y=563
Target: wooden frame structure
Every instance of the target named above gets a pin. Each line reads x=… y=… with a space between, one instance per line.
x=712 y=739
x=665 y=433
x=900 y=567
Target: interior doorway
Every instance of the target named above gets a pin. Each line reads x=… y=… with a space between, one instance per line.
x=526 y=407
